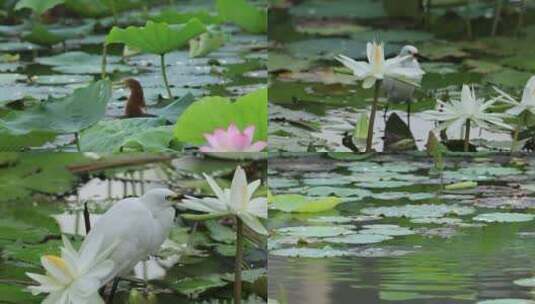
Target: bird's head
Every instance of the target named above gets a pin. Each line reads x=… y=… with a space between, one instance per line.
x=137 y=96
x=410 y=50
x=161 y=197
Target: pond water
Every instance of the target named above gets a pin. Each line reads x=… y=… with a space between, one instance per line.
x=314 y=105
x=235 y=69
x=194 y=265
x=396 y=237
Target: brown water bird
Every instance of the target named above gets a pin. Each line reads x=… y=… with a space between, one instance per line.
x=135 y=105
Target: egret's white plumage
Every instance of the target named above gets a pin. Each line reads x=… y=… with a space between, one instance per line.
x=137 y=227
x=398 y=91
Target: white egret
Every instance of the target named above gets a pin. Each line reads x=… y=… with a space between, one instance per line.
x=137 y=227
x=130 y=231
x=373 y=72
x=398 y=91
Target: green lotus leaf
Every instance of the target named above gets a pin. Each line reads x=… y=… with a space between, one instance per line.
x=206 y=43
x=71 y=114
x=171 y=16
x=134 y=134
x=156 y=38
x=18 y=142
x=38 y=6
x=244 y=14
x=172 y=111
x=299 y=203
x=48 y=36
x=210 y=113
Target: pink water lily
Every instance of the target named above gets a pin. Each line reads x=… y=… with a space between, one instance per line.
x=232 y=140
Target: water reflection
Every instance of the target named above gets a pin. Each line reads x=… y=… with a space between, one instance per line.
x=467 y=264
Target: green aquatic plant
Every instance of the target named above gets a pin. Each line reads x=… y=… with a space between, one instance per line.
x=469 y=109
x=157 y=38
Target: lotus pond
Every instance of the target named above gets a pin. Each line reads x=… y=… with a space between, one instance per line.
x=43 y=196
x=63 y=65
x=390 y=229
x=316 y=105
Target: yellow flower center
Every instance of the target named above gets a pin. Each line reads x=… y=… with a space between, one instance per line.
x=58 y=262
x=377 y=53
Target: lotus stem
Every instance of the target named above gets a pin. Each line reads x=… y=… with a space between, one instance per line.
x=77 y=139
x=164 y=74
x=369 y=140
x=87 y=220
x=111 y=3
x=469 y=31
x=467 y=136
x=520 y=22
x=497 y=15
x=516 y=134
x=104 y=60
x=428 y=14
x=238 y=261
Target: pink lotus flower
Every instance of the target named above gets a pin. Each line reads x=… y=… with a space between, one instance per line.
x=232 y=140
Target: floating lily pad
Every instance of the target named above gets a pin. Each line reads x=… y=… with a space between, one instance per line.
x=504 y=217
x=388 y=230
x=325 y=252
x=314 y=231
x=528 y=282
x=419 y=211
x=507 y=301
x=437 y=220
x=299 y=203
x=359 y=239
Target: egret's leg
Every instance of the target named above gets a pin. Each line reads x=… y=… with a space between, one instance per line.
x=409 y=115
x=114 y=286
x=386 y=111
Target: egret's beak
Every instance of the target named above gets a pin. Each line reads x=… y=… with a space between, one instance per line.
x=175 y=197
x=418 y=56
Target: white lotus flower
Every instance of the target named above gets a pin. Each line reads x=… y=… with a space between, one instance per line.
x=236 y=200
x=377 y=68
x=457 y=112
x=528 y=99
x=73 y=278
